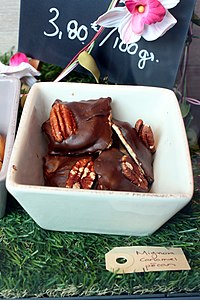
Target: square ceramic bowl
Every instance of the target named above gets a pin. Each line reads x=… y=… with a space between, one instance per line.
x=107 y=212
x=9 y=101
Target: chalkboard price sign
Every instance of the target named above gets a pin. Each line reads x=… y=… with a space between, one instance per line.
x=54 y=31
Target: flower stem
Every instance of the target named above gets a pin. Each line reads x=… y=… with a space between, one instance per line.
x=74 y=62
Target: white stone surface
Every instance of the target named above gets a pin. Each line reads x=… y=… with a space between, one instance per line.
x=9 y=20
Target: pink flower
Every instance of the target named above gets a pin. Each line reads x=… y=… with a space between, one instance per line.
x=19 y=67
x=18 y=58
x=147 y=18
x=145 y=12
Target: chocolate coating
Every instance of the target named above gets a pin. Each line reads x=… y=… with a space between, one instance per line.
x=110 y=177
x=94 y=132
x=56 y=169
x=135 y=147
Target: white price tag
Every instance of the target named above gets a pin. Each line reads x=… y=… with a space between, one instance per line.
x=145 y=259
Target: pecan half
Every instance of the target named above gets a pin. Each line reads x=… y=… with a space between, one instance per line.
x=132 y=171
x=2 y=149
x=62 y=122
x=82 y=175
x=146 y=135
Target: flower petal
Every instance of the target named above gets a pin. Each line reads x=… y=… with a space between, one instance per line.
x=137 y=24
x=125 y=30
x=24 y=69
x=18 y=58
x=154 y=31
x=169 y=3
x=132 y=5
x=112 y=18
x=155 y=12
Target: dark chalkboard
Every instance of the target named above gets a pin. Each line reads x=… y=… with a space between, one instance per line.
x=53 y=31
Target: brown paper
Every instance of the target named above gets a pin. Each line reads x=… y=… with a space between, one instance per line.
x=145 y=259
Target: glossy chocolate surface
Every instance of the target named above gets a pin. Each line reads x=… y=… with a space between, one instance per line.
x=56 y=169
x=110 y=177
x=106 y=142
x=135 y=147
x=94 y=132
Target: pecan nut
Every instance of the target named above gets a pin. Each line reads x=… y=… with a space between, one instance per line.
x=2 y=149
x=62 y=122
x=132 y=172
x=145 y=134
x=81 y=175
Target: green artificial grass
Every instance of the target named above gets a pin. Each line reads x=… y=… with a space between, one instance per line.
x=38 y=263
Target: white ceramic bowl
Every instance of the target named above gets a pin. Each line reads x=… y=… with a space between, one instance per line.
x=108 y=212
x=9 y=101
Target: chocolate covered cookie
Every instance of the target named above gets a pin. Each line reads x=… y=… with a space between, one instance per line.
x=88 y=149
x=69 y=172
x=81 y=127
x=118 y=172
x=136 y=148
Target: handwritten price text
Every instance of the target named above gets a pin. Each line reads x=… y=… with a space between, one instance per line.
x=76 y=31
